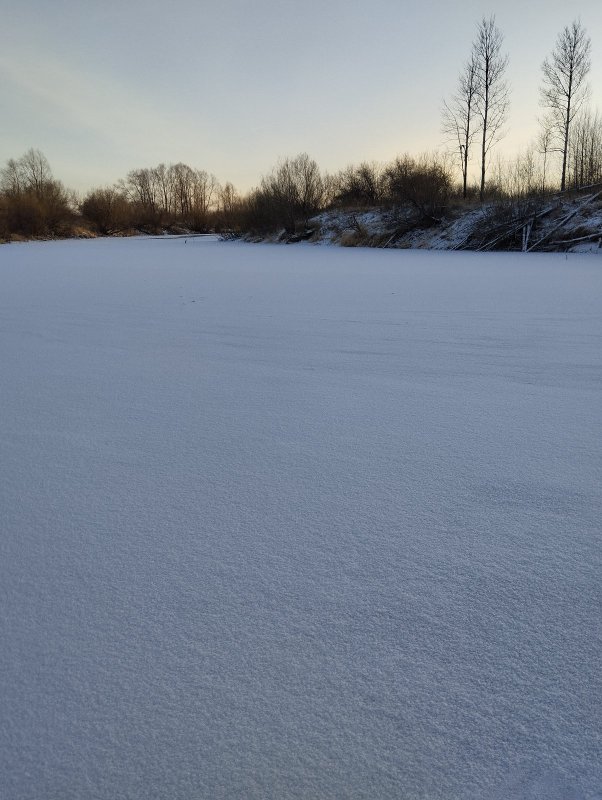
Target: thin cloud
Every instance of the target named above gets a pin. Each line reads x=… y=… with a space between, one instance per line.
x=104 y=108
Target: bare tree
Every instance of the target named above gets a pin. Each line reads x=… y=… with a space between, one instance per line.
x=292 y=192
x=228 y=198
x=140 y=187
x=162 y=182
x=308 y=181
x=30 y=173
x=491 y=88
x=523 y=174
x=459 y=116
x=228 y=204
x=204 y=191
x=545 y=146
x=182 y=185
x=565 y=86
x=36 y=169
x=12 y=181
x=585 y=150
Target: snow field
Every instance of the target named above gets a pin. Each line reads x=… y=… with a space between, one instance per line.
x=299 y=522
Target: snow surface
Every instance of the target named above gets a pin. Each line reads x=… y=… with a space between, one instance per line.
x=299 y=522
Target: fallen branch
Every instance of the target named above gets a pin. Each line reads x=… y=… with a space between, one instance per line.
x=516 y=228
x=597 y=235
x=564 y=221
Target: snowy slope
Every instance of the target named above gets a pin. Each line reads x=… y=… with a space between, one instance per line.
x=571 y=224
x=298 y=522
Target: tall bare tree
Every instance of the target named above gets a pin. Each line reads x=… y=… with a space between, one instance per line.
x=565 y=87
x=545 y=146
x=460 y=123
x=492 y=88
x=204 y=192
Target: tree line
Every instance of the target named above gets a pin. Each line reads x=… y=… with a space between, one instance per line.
x=567 y=153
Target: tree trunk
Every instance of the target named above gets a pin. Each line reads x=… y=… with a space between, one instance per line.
x=567 y=123
x=483 y=154
x=484 y=139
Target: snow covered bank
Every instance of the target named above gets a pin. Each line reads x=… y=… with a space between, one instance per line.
x=299 y=522
x=556 y=225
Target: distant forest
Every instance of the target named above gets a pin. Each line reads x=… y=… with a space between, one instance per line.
x=567 y=154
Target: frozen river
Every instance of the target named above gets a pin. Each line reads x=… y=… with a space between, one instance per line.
x=299 y=522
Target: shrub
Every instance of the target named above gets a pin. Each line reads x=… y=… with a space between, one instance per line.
x=424 y=183
x=107 y=210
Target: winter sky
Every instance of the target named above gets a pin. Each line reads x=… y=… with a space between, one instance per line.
x=230 y=86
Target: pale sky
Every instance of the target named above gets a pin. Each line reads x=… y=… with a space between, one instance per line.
x=231 y=86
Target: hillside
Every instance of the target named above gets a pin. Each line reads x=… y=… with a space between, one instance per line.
x=555 y=224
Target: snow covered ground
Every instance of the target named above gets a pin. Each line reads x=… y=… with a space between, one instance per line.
x=299 y=522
